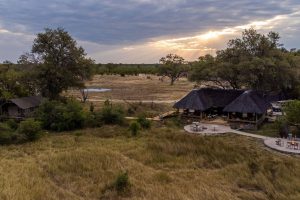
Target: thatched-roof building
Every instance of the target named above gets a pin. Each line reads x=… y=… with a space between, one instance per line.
x=206 y=98
x=20 y=108
x=233 y=105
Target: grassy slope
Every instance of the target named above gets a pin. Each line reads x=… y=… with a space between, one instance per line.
x=163 y=163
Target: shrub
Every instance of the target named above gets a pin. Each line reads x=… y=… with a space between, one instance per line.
x=12 y=124
x=134 y=128
x=122 y=182
x=59 y=116
x=93 y=120
x=7 y=135
x=144 y=122
x=110 y=115
x=31 y=129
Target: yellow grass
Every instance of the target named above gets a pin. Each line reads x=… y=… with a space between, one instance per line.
x=137 y=88
x=164 y=163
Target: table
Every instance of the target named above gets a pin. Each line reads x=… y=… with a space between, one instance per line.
x=293 y=145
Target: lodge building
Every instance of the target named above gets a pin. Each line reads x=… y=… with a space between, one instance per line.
x=247 y=108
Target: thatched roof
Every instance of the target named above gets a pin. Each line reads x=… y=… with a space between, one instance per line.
x=249 y=102
x=27 y=102
x=205 y=98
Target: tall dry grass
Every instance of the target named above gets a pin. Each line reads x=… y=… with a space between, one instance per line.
x=162 y=163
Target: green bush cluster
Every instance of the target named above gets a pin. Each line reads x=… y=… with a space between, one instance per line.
x=7 y=134
x=61 y=116
x=134 y=128
x=69 y=115
x=144 y=122
x=111 y=115
x=12 y=132
x=31 y=129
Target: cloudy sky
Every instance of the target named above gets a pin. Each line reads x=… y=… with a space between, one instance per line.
x=142 y=31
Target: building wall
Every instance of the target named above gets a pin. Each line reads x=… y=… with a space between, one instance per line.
x=13 y=111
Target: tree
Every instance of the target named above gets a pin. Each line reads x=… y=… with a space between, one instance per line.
x=62 y=63
x=173 y=66
x=292 y=111
x=13 y=83
x=254 y=61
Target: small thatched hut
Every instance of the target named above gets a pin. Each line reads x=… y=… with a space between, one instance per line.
x=20 y=108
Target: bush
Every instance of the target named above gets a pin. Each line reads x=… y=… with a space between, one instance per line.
x=110 y=115
x=144 y=122
x=7 y=134
x=12 y=124
x=61 y=116
x=93 y=120
x=122 y=182
x=134 y=128
x=31 y=129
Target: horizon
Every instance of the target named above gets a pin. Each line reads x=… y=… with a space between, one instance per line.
x=143 y=31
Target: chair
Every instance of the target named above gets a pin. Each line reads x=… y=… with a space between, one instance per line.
x=296 y=146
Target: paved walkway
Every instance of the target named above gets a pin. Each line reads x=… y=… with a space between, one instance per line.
x=209 y=129
x=271 y=143
x=249 y=134
x=213 y=129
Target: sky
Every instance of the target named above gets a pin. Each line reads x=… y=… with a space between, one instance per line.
x=143 y=31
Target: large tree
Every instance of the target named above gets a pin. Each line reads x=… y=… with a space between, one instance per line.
x=254 y=61
x=173 y=66
x=62 y=63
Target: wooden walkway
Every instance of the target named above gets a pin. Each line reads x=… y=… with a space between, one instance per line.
x=157 y=118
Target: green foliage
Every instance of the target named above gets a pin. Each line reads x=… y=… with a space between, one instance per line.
x=253 y=61
x=292 y=110
x=111 y=115
x=12 y=124
x=125 y=69
x=31 y=129
x=144 y=122
x=7 y=134
x=134 y=128
x=173 y=66
x=61 y=116
x=63 y=65
x=93 y=119
x=122 y=183
x=15 y=83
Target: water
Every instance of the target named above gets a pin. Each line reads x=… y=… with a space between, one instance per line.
x=97 y=90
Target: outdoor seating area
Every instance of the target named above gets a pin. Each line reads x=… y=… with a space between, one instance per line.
x=206 y=129
x=289 y=145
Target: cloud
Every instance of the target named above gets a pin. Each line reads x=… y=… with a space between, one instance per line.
x=108 y=28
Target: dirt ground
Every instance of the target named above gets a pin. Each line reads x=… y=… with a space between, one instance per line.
x=136 y=88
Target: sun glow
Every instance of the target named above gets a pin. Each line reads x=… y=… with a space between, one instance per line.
x=201 y=41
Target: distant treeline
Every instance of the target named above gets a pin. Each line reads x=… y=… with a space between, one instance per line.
x=126 y=69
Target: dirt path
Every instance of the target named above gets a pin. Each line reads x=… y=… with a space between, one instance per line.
x=133 y=101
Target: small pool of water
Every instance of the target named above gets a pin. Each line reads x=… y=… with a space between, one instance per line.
x=97 y=90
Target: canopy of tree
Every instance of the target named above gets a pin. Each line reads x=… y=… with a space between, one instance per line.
x=63 y=63
x=14 y=82
x=254 y=61
x=292 y=111
x=173 y=66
